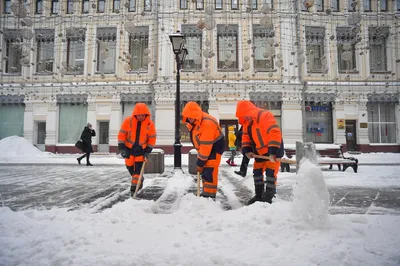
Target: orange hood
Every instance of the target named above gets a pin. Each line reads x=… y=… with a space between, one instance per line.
x=192 y=110
x=246 y=108
x=141 y=109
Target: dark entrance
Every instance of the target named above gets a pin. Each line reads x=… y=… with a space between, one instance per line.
x=351 y=137
x=224 y=125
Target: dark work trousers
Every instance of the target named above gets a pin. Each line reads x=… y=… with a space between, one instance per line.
x=244 y=164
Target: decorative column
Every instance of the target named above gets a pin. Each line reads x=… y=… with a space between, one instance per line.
x=362 y=128
x=28 y=121
x=291 y=121
x=115 y=123
x=91 y=116
x=339 y=134
x=51 y=126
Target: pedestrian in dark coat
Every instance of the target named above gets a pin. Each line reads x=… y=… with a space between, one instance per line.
x=245 y=160
x=86 y=137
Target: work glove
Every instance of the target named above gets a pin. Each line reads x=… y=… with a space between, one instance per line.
x=125 y=153
x=272 y=158
x=200 y=169
x=146 y=156
x=250 y=155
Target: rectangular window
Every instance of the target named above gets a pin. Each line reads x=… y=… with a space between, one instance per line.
x=367 y=6
x=377 y=53
x=346 y=49
x=76 y=51
x=147 y=5
x=55 y=7
x=384 y=5
x=315 y=49
x=70 y=6
x=234 y=4
x=139 y=47
x=184 y=4
x=193 y=36
x=351 y=5
x=227 y=46
x=320 y=5
x=200 y=4
x=264 y=50
x=254 y=4
x=13 y=52
x=72 y=120
x=218 y=4
x=12 y=120
x=101 y=4
x=116 y=5
x=7 y=6
x=85 y=6
x=106 y=45
x=132 y=5
x=381 y=122
x=319 y=124
x=39 y=7
x=44 y=51
x=398 y=5
x=335 y=5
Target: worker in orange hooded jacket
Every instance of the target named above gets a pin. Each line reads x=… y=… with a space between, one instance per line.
x=262 y=136
x=208 y=139
x=136 y=139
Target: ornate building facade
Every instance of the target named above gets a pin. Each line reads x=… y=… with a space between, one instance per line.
x=329 y=70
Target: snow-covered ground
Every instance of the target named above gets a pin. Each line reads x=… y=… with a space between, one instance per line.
x=197 y=231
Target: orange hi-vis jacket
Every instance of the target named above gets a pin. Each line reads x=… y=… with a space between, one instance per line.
x=128 y=132
x=206 y=134
x=262 y=133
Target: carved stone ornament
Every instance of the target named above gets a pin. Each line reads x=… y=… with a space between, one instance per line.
x=383 y=97
x=11 y=99
x=319 y=97
x=136 y=97
x=44 y=34
x=265 y=96
x=72 y=98
x=194 y=96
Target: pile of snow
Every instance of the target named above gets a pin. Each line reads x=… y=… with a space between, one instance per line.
x=14 y=146
x=310 y=196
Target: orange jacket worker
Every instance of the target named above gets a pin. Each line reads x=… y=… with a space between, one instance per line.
x=207 y=138
x=262 y=136
x=136 y=139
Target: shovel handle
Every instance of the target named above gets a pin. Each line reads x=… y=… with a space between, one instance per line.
x=282 y=160
x=198 y=184
x=140 y=180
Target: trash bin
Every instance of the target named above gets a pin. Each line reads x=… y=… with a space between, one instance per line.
x=155 y=162
x=192 y=161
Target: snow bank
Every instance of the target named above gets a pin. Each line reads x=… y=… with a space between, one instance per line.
x=310 y=196
x=15 y=146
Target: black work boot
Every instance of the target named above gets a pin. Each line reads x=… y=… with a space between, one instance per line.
x=269 y=194
x=259 y=189
x=240 y=173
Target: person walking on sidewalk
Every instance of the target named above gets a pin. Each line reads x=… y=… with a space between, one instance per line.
x=136 y=140
x=207 y=138
x=261 y=136
x=245 y=160
x=232 y=146
x=86 y=137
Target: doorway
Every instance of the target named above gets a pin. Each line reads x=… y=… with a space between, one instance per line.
x=104 y=136
x=41 y=135
x=225 y=125
x=351 y=137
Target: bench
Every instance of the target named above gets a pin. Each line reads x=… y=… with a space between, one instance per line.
x=327 y=156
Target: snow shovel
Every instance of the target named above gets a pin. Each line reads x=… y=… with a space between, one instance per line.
x=140 y=180
x=305 y=150
x=198 y=184
x=282 y=160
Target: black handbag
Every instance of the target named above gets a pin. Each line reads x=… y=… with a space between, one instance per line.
x=79 y=145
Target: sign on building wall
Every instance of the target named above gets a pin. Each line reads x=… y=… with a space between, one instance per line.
x=363 y=125
x=340 y=123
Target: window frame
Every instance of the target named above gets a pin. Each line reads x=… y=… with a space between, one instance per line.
x=115 y=8
x=237 y=5
x=98 y=10
x=191 y=31
x=55 y=8
x=379 y=123
x=85 y=6
x=147 y=5
x=220 y=4
x=39 y=7
x=7 y=6
x=220 y=34
x=70 y=7
x=183 y=4
x=49 y=37
x=199 y=4
x=99 y=40
x=132 y=6
x=144 y=33
x=264 y=33
x=315 y=36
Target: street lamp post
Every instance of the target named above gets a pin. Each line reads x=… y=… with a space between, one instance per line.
x=177 y=40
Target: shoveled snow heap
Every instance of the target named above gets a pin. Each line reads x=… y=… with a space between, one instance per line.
x=15 y=146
